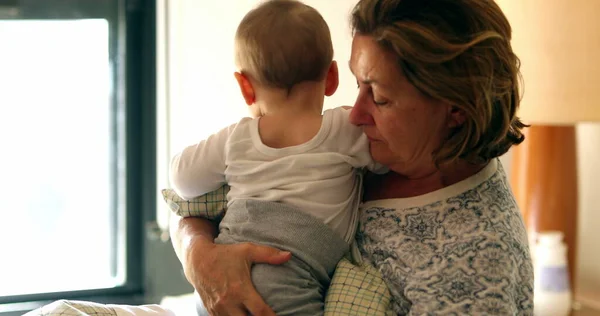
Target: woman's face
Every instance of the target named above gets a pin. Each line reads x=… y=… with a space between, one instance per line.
x=404 y=126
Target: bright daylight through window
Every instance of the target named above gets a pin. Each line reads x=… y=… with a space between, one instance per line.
x=60 y=227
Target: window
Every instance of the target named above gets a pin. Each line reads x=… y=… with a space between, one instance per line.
x=78 y=157
x=57 y=122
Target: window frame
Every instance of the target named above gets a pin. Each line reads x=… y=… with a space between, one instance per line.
x=133 y=57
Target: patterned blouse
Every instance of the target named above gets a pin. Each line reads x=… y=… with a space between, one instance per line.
x=460 y=250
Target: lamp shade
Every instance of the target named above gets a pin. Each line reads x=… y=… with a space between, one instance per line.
x=558 y=43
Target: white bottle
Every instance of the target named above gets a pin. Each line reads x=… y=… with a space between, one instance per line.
x=552 y=291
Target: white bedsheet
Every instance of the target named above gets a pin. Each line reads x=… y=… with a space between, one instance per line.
x=82 y=308
x=182 y=305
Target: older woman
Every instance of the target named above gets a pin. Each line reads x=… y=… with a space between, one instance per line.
x=437 y=97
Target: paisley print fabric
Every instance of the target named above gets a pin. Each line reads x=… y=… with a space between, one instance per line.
x=461 y=250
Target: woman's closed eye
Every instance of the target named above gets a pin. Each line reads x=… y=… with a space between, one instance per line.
x=379 y=103
x=375 y=101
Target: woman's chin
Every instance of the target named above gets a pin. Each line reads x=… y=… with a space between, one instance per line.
x=381 y=155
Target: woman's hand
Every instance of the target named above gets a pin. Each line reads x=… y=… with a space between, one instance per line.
x=221 y=275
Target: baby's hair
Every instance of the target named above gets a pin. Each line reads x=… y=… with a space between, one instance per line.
x=282 y=43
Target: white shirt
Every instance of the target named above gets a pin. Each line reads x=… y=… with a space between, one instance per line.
x=319 y=177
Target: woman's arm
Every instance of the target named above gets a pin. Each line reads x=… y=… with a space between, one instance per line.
x=185 y=231
x=221 y=273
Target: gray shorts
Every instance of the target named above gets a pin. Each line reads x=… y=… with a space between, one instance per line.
x=298 y=286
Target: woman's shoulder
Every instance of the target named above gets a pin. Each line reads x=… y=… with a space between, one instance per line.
x=487 y=210
x=475 y=238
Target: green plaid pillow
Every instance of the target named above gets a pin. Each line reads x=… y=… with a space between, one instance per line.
x=211 y=206
x=357 y=290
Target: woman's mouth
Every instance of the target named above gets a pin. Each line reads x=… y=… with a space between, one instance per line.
x=371 y=139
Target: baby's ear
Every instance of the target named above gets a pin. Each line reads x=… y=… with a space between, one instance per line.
x=245 y=87
x=332 y=79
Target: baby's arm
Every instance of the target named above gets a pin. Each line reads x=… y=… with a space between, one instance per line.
x=354 y=143
x=200 y=168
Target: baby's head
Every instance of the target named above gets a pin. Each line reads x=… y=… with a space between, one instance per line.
x=282 y=43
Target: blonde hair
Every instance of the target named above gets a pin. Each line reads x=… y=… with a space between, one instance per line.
x=457 y=51
x=282 y=43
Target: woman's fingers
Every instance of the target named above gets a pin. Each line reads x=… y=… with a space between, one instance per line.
x=233 y=310
x=256 y=306
x=222 y=276
x=226 y=303
x=265 y=254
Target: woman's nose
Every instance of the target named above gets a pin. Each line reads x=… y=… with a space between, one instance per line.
x=359 y=115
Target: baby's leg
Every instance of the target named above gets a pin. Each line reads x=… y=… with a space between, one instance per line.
x=298 y=286
x=290 y=288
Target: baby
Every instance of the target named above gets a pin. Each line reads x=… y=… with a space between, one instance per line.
x=294 y=170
